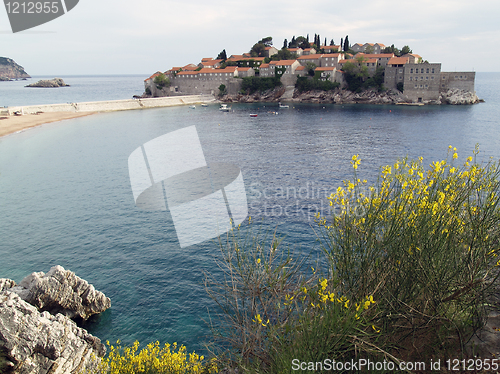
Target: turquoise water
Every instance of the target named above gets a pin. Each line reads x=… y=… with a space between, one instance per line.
x=65 y=195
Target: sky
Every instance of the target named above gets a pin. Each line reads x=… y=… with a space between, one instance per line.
x=142 y=37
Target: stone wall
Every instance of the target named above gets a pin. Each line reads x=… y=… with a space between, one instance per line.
x=458 y=80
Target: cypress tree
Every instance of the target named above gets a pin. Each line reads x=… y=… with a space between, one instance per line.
x=346 y=43
x=285 y=44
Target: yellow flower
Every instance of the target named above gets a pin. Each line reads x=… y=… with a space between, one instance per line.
x=455 y=155
x=258 y=260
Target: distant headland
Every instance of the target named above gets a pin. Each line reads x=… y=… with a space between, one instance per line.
x=305 y=71
x=10 y=70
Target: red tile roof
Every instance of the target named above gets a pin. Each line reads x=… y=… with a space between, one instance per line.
x=284 y=62
x=325 y=68
x=398 y=61
x=309 y=57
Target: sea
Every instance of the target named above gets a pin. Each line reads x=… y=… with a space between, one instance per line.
x=66 y=196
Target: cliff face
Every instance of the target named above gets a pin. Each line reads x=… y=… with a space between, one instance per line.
x=10 y=70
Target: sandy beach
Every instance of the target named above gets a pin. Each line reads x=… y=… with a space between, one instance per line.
x=12 y=124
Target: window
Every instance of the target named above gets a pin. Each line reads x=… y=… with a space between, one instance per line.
x=400 y=71
x=432 y=78
x=427 y=70
x=422 y=71
x=460 y=77
x=411 y=70
x=426 y=78
x=432 y=70
x=444 y=77
x=416 y=86
x=411 y=78
x=400 y=78
x=426 y=86
x=421 y=86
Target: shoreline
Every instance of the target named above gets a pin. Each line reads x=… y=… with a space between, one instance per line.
x=36 y=115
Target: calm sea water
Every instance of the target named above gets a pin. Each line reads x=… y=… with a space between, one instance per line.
x=65 y=195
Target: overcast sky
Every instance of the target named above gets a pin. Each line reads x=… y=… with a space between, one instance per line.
x=141 y=37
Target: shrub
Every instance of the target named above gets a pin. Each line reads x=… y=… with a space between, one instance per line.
x=154 y=360
x=251 y=85
x=424 y=243
x=305 y=84
x=161 y=81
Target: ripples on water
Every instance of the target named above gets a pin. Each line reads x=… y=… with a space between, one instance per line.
x=65 y=195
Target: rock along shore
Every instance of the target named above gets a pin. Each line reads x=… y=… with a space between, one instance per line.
x=342 y=96
x=37 y=333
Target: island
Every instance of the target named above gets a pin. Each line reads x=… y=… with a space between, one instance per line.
x=303 y=71
x=10 y=70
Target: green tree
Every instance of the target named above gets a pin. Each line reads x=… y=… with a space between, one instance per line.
x=222 y=90
x=310 y=67
x=267 y=41
x=293 y=43
x=161 y=81
x=285 y=43
x=331 y=42
x=346 y=43
x=258 y=50
x=222 y=55
x=406 y=49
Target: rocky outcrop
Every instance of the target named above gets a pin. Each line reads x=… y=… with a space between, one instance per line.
x=336 y=96
x=34 y=342
x=459 y=97
x=5 y=284
x=49 y=83
x=61 y=291
x=10 y=70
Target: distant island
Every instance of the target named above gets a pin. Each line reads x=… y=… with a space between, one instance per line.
x=10 y=70
x=305 y=71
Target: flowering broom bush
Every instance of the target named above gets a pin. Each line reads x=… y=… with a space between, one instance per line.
x=423 y=242
x=154 y=359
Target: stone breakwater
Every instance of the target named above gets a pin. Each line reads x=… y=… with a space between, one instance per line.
x=37 y=334
x=110 y=106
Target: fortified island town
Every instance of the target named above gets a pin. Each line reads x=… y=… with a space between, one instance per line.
x=306 y=71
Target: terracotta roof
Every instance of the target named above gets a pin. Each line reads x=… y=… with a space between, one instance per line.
x=264 y=66
x=284 y=62
x=381 y=55
x=300 y=68
x=242 y=58
x=294 y=49
x=398 y=61
x=190 y=67
x=153 y=76
x=268 y=48
x=325 y=68
x=210 y=62
x=309 y=57
x=187 y=72
x=206 y=59
x=359 y=44
x=244 y=69
x=332 y=55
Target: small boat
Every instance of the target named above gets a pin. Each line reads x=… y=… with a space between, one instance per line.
x=204 y=105
x=283 y=106
x=192 y=106
x=224 y=108
x=253 y=115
